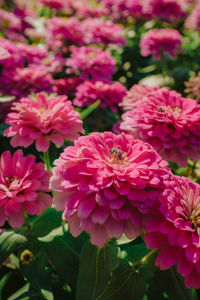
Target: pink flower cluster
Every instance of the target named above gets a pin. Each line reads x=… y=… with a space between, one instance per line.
x=157 y=42
x=91 y=62
x=110 y=94
x=42 y=120
x=169 y=122
x=65 y=86
x=61 y=31
x=23 y=187
x=124 y=8
x=176 y=230
x=32 y=54
x=193 y=20
x=107 y=185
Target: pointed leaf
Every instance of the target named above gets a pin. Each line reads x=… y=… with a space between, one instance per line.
x=96 y=265
x=10 y=241
x=89 y=110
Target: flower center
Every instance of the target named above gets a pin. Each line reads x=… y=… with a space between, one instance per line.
x=13 y=183
x=117 y=156
x=176 y=110
x=195 y=220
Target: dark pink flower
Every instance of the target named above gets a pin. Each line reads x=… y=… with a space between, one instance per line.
x=169 y=122
x=91 y=62
x=107 y=185
x=32 y=54
x=157 y=42
x=65 y=86
x=41 y=120
x=23 y=81
x=136 y=92
x=110 y=94
x=57 y=4
x=169 y=10
x=23 y=187
x=176 y=230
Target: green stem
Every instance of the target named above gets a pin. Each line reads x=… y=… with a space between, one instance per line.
x=26 y=220
x=46 y=160
x=89 y=110
x=164 y=66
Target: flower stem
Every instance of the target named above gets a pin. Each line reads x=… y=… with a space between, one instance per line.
x=164 y=66
x=46 y=160
x=26 y=220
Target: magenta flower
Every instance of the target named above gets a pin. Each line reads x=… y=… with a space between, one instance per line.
x=175 y=230
x=102 y=32
x=156 y=42
x=65 y=86
x=110 y=94
x=136 y=92
x=169 y=10
x=107 y=185
x=41 y=120
x=57 y=4
x=15 y=59
x=61 y=31
x=23 y=81
x=91 y=62
x=169 y=122
x=23 y=187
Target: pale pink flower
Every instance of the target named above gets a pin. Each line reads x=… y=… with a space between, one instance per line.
x=4 y=54
x=41 y=120
x=157 y=42
x=136 y=92
x=193 y=20
x=176 y=230
x=102 y=32
x=107 y=185
x=91 y=62
x=33 y=54
x=110 y=94
x=169 y=122
x=23 y=187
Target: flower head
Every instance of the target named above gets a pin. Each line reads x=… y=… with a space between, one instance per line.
x=160 y=41
x=110 y=94
x=193 y=20
x=41 y=120
x=23 y=187
x=169 y=122
x=176 y=230
x=136 y=92
x=107 y=184
x=193 y=87
x=91 y=62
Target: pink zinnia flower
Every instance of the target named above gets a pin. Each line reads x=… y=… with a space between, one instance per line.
x=160 y=41
x=110 y=94
x=15 y=59
x=23 y=187
x=169 y=122
x=136 y=92
x=193 y=20
x=176 y=230
x=107 y=184
x=61 y=31
x=32 y=54
x=42 y=120
x=65 y=86
x=57 y=4
x=23 y=81
x=102 y=32
x=4 y=54
x=91 y=62
x=169 y=10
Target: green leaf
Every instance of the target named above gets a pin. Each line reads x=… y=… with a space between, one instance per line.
x=173 y=284
x=3 y=127
x=10 y=241
x=37 y=274
x=96 y=265
x=137 y=252
x=25 y=293
x=124 y=284
x=3 y=282
x=45 y=223
x=86 y=112
x=61 y=254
